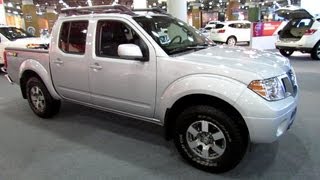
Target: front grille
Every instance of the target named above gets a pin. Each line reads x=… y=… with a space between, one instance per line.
x=290 y=83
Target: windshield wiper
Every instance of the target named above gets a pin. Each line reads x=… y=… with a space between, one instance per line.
x=188 y=48
x=197 y=47
x=179 y=50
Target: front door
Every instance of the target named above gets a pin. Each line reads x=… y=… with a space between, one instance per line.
x=68 y=62
x=122 y=84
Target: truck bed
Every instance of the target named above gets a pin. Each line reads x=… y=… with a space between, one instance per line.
x=17 y=56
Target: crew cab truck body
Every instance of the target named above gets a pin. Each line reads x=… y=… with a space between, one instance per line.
x=212 y=100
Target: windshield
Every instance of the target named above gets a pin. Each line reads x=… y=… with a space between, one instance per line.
x=13 y=33
x=173 y=35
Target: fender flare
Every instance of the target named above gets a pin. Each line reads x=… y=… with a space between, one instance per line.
x=224 y=88
x=41 y=71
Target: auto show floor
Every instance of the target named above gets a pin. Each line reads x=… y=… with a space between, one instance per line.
x=82 y=143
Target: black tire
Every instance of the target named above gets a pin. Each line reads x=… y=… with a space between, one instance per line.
x=47 y=106
x=234 y=143
x=232 y=41
x=315 y=53
x=286 y=53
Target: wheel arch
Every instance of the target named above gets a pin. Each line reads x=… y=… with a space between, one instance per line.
x=33 y=68
x=233 y=37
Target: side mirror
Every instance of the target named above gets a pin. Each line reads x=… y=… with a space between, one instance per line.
x=130 y=51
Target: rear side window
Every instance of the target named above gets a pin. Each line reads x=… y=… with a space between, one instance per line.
x=72 y=37
x=219 y=26
x=240 y=25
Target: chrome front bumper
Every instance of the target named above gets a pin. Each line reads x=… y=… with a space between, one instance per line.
x=3 y=69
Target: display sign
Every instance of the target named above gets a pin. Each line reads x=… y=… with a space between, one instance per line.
x=265 y=28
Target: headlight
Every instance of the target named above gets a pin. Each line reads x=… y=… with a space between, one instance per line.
x=270 y=89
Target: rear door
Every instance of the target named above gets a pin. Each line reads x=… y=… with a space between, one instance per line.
x=68 y=61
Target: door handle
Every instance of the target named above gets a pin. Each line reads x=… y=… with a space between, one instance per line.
x=96 y=66
x=58 y=61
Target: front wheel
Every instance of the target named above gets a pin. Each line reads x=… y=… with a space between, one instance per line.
x=209 y=139
x=286 y=53
x=40 y=100
x=315 y=54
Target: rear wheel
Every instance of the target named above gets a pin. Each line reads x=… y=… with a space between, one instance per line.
x=232 y=41
x=286 y=53
x=315 y=54
x=209 y=139
x=40 y=100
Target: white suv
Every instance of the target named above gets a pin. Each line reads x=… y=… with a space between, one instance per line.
x=231 y=32
x=302 y=32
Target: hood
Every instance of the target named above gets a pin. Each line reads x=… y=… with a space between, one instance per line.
x=293 y=12
x=23 y=42
x=232 y=61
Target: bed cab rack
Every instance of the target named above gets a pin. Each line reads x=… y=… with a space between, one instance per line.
x=101 y=9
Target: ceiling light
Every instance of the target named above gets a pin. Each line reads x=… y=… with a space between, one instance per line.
x=10 y=4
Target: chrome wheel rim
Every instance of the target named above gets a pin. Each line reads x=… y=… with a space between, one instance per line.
x=205 y=139
x=37 y=98
x=231 y=42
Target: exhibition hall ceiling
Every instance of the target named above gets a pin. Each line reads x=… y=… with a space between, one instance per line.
x=58 y=4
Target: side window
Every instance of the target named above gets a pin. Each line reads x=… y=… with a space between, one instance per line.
x=73 y=37
x=110 y=34
x=232 y=25
x=239 y=25
x=219 y=26
x=247 y=25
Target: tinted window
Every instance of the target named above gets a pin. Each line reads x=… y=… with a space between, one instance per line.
x=246 y=25
x=73 y=37
x=219 y=26
x=232 y=25
x=113 y=33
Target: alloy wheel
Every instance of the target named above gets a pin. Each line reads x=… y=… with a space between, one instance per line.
x=231 y=42
x=37 y=98
x=205 y=139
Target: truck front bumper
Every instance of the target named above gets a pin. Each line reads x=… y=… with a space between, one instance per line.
x=267 y=120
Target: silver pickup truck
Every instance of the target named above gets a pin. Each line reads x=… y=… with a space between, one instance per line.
x=211 y=100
